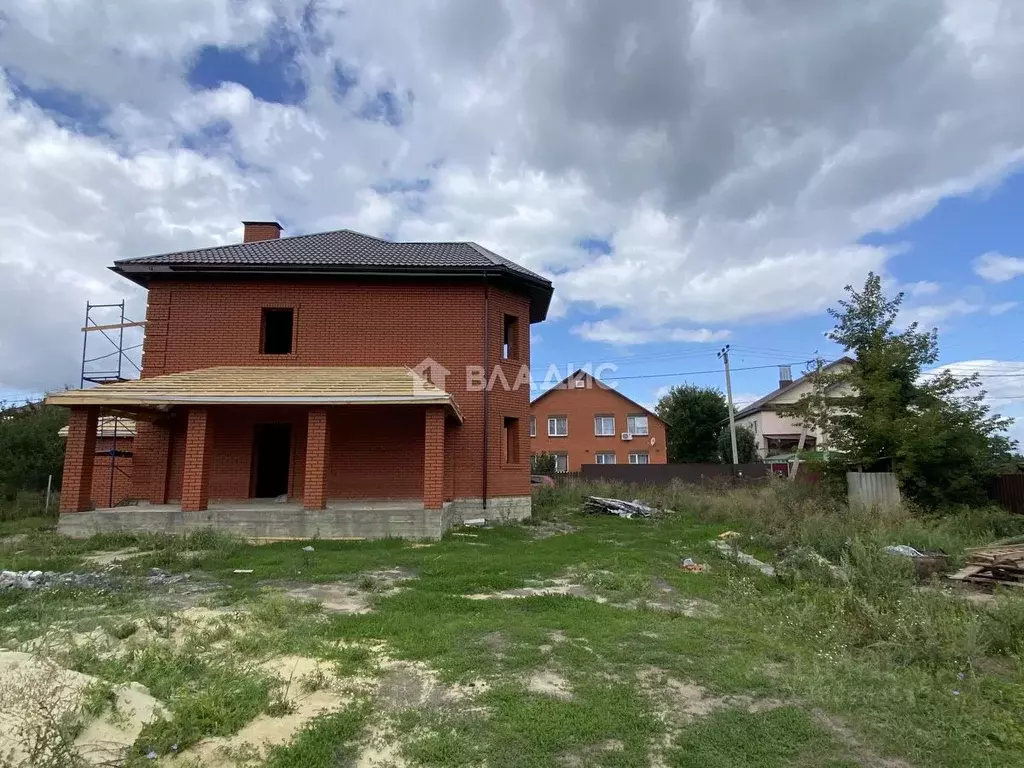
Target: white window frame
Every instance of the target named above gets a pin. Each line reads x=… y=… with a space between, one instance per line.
x=634 y=458
x=601 y=457
x=600 y=422
x=632 y=425
x=554 y=420
x=563 y=459
x=533 y=426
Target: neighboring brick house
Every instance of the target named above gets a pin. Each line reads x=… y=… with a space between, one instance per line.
x=112 y=470
x=583 y=421
x=778 y=435
x=330 y=375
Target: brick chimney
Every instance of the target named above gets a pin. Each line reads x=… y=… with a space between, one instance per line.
x=260 y=230
x=785 y=376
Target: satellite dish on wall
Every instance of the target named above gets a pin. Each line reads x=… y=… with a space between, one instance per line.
x=653 y=440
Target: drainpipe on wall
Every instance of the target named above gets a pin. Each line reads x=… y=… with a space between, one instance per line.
x=487 y=379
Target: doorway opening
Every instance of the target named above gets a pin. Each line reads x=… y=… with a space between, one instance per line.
x=272 y=451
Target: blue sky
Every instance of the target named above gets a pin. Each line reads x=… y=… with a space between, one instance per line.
x=679 y=198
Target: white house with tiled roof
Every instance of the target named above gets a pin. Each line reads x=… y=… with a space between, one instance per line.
x=777 y=434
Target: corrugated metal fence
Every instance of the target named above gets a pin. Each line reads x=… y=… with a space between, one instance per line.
x=873 y=489
x=1008 y=491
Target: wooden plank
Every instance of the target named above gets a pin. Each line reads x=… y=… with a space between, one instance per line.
x=963 y=573
x=114 y=326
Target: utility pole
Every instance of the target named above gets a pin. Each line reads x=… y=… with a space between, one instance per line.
x=724 y=355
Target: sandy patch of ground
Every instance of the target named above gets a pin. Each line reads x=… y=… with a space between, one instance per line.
x=296 y=674
x=549 y=683
x=679 y=703
x=563 y=587
x=354 y=596
x=36 y=695
x=864 y=755
x=667 y=602
x=590 y=754
x=557 y=637
x=547 y=530
x=405 y=685
x=691 y=700
x=112 y=557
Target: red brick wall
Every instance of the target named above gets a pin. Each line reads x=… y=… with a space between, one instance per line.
x=581 y=444
x=197 y=325
x=79 y=460
x=375 y=452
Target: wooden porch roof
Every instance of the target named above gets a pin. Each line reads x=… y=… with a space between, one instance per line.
x=266 y=385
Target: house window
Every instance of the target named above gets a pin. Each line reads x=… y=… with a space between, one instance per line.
x=533 y=426
x=558 y=426
x=636 y=424
x=276 y=333
x=605 y=458
x=561 y=462
x=639 y=458
x=604 y=426
x=510 y=427
x=510 y=343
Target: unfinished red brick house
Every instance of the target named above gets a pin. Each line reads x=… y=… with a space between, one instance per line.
x=319 y=385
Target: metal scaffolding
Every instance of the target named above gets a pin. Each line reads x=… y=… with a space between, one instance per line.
x=109 y=366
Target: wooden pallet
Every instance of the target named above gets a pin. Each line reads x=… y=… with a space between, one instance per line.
x=991 y=574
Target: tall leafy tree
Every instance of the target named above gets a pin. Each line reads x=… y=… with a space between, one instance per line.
x=933 y=430
x=746 y=446
x=694 y=416
x=30 y=448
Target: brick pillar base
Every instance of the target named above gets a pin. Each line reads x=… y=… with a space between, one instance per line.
x=79 y=459
x=152 y=451
x=314 y=495
x=433 y=459
x=195 y=480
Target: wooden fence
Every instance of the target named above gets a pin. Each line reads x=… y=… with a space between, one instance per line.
x=1008 y=491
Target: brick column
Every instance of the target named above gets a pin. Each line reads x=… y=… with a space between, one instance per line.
x=433 y=459
x=195 y=480
x=152 y=451
x=79 y=459
x=314 y=495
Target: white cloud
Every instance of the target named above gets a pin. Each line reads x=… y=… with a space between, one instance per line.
x=612 y=333
x=997 y=268
x=923 y=288
x=728 y=152
x=931 y=315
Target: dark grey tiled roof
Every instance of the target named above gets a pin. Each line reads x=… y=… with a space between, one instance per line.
x=341 y=249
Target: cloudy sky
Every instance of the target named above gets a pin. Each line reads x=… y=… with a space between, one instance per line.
x=688 y=173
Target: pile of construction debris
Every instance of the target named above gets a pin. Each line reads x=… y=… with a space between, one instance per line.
x=596 y=505
x=998 y=563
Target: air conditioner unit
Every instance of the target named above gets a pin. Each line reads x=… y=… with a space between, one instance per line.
x=627 y=436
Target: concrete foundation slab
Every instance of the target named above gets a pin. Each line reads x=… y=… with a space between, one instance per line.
x=369 y=519
x=501 y=509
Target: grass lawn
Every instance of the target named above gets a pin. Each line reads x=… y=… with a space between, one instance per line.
x=573 y=641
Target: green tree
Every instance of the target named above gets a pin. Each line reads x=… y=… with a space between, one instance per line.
x=746 y=446
x=933 y=430
x=30 y=448
x=542 y=464
x=694 y=417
